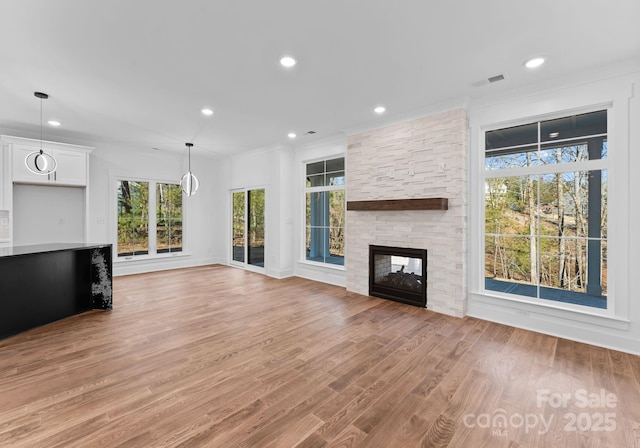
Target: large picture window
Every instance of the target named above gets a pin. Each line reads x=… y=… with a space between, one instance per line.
x=325 y=211
x=545 y=234
x=142 y=207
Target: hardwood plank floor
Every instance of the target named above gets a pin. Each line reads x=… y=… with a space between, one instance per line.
x=219 y=357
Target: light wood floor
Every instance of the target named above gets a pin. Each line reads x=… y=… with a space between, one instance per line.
x=220 y=357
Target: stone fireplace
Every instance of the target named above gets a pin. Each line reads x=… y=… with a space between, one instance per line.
x=414 y=160
x=399 y=274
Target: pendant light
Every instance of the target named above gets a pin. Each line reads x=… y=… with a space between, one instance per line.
x=40 y=162
x=189 y=181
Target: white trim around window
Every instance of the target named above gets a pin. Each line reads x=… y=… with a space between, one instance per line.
x=113 y=222
x=571 y=321
x=317 y=189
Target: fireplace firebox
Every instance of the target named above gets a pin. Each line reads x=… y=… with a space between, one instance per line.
x=399 y=274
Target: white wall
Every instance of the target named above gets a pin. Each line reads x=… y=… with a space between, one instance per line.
x=280 y=171
x=201 y=221
x=44 y=214
x=286 y=176
x=619 y=328
x=326 y=149
x=268 y=169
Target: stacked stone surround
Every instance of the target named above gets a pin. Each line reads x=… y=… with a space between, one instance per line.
x=404 y=161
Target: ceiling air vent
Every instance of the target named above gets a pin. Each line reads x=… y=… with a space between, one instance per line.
x=496 y=78
x=489 y=80
x=311 y=132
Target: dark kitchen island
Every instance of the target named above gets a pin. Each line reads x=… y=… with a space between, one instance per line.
x=43 y=283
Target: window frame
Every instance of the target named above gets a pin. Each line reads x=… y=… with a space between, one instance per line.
x=148 y=221
x=178 y=187
x=326 y=188
x=542 y=101
x=152 y=252
x=617 y=306
x=245 y=264
x=541 y=170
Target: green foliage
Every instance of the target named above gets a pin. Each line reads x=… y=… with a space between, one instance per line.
x=238 y=218
x=560 y=242
x=325 y=211
x=168 y=217
x=133 y=217
x=255 y=215
x=248 y=225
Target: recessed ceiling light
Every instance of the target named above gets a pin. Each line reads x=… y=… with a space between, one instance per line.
x=291 y=135
x=554 y=134
x=534 y=62
x=54 y=123
x=287 y=61
x=379 y=109
x=207 y=111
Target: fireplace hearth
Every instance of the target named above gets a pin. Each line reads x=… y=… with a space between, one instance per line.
x=398 y=273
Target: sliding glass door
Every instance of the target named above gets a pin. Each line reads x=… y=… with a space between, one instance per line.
x=238 y=225
x=247 y=238
x=255 y=227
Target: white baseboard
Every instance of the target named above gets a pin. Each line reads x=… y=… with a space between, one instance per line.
x=143 y=266
x=580 y=331
x=330 y=275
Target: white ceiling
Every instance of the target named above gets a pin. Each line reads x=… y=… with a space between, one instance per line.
x=135 y=73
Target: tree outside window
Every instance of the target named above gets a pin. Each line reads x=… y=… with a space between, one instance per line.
x=136 y=216
x=325 y=211
x=133 y=218
x=168 y=218
x=546 y=210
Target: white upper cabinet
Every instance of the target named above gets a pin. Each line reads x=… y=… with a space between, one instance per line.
x=4 y=203
x=71 y=160
x=72 y=167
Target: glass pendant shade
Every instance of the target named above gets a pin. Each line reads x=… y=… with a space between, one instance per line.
x=40 y=162
x=189 y=181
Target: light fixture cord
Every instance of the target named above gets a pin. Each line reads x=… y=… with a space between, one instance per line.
x=189 y=159
x=40 y=125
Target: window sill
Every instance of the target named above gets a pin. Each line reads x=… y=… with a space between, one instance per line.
x=150 y=257
x=335 y=267
x=544 y=310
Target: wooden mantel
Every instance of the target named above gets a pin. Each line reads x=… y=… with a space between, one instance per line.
x=399 y=204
